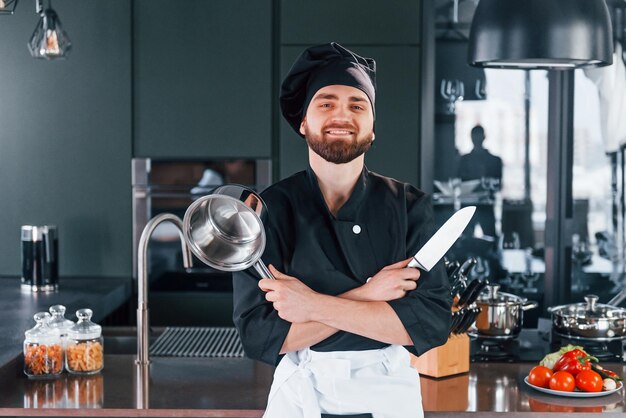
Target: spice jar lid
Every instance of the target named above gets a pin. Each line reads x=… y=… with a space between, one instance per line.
x=84 y=329
x=58 y=319
x=41 y=332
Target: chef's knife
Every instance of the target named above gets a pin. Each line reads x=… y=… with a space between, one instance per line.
x=467 y=266
x=460 y=314
x=468 y=292
x=442 y=240
x=468 y=320
x=459 y=287
x=472 y=314
x=454 y=321
x=458 y=273
x=451 y=268
x=479 y=289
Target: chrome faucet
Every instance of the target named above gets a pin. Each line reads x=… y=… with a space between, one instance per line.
x=142 y=279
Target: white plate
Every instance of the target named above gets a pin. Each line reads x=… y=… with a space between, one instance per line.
x=575 y=394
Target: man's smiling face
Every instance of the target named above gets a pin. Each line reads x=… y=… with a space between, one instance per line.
x=339 y=123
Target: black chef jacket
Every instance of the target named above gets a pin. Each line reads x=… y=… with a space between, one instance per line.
x=383 y=222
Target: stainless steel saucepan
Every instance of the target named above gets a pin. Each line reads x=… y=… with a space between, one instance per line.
x=226 y=232
x=590 y=320
x=501 y=313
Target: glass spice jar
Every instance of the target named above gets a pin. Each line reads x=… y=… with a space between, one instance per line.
x=59 y=322
x=43 y=352
x=84 y=351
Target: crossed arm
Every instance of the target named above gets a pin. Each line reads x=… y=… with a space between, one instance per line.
x=363 y=310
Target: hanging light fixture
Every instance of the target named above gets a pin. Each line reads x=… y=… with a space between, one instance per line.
x=547 y=34
x=7 y=7
x=49 y=40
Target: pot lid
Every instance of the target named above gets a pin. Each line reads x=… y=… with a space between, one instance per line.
x=493 y=296
x=589 y=309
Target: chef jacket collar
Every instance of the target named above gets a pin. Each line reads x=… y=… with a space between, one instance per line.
x=349 y=210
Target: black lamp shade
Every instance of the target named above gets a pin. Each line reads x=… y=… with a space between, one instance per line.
x=49 y=40
x=548 y=34
x=7 y=7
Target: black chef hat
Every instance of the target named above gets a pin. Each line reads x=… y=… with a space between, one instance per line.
x=320 y=66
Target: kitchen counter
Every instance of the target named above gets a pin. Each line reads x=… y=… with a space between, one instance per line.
x=228 y=387
x=102 y=295
x=239 y=387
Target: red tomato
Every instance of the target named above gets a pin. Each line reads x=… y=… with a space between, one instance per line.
x=540 y=376
x=589 y=381
x=563 y=381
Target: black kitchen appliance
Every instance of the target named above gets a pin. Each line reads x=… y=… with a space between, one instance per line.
x=531 y=345
x=503 y=350
x=605 y=350
x=40 y=255
x=200 y=296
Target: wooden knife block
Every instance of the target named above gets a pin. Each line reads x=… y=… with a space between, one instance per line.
x=446 y=360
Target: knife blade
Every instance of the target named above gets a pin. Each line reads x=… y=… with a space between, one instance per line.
x=442 y=240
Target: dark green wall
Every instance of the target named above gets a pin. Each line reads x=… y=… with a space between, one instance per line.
x=65 y=138
x=192 y=79
x=390 y=33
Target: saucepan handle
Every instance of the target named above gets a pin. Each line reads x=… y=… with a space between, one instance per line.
x=529 y=305
x=263 y=271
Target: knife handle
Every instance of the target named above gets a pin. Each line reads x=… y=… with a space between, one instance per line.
x=468 y=292
x=482 y=283
x=451 y=268
x=467 y=266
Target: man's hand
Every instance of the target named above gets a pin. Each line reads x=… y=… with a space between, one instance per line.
x=391 y=283
x=294 y=301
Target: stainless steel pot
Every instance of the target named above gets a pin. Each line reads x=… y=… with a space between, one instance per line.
x=501 y=313
x=589 y=320
x=225 y=233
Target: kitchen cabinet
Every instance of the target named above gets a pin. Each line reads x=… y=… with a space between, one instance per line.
x=202 y=75
x=396 y=148
x=350 y=22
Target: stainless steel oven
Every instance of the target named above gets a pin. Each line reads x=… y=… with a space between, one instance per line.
x=201 y=295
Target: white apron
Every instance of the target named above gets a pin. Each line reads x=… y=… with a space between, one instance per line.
x=380 y=382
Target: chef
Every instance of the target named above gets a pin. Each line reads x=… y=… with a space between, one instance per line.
x=343 y=306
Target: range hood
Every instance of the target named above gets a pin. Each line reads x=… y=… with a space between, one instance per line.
x=541 y=34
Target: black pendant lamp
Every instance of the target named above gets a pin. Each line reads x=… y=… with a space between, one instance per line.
x=7 y=7
x=541 y=34
x=49 y=40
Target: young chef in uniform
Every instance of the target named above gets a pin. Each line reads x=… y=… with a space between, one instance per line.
x=339 y=238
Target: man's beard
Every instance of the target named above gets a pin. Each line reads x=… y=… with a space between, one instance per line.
x=338 y=151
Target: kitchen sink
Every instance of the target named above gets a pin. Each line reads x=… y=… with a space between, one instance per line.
x=123 y=340
x=190 y=342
